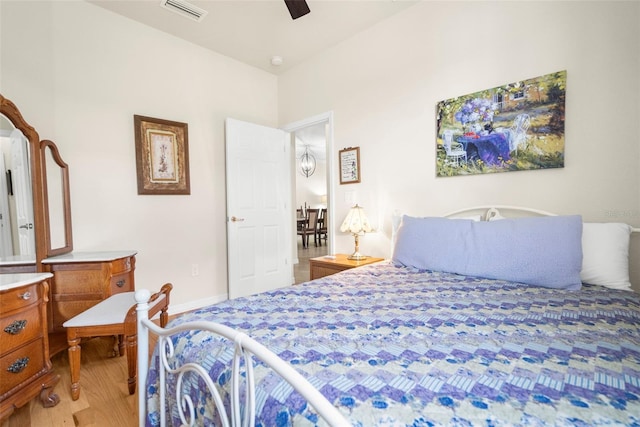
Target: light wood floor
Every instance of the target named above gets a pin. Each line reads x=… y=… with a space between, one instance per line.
x=104 y=398
x=301 y=270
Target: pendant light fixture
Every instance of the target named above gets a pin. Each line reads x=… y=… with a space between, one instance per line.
x=307 y=163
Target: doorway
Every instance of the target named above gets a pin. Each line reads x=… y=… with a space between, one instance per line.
x=258 y=213
x=311 y=174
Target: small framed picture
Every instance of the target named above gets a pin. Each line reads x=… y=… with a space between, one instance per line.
x=162 y=156
x=350 y=165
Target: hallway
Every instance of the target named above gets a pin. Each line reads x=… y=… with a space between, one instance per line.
x=301 y=269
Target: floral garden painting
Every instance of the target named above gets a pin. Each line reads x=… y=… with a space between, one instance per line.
x=518 y=126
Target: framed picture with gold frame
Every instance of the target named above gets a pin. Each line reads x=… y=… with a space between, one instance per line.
x=162 y=156
x=349 y=165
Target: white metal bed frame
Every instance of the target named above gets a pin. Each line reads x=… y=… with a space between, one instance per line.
x=244 y=348
x=489 y=212
x=485 y=213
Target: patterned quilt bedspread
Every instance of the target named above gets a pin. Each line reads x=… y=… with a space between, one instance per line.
x=394 y=346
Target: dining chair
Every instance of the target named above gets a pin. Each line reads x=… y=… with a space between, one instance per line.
x=310 y=228
x=322 y=225
x=453 y=155
x=300 y=219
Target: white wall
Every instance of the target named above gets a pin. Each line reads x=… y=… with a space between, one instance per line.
x=383 y=86
x=79 y=74
x=310 y=189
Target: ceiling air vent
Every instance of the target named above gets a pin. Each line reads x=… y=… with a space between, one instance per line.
x=184 y=9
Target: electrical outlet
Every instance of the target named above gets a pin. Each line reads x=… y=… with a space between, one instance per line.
x=195 y=270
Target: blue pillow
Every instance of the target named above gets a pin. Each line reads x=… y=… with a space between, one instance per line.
x=544 y=251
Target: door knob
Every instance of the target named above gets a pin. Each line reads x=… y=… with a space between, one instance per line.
x=236 y=219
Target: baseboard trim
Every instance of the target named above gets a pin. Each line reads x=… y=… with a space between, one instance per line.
x=195 y=305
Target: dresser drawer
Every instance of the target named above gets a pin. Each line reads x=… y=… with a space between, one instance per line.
x=21 y=365
x=20 y=328
x=319 y=271
x=18 y=298
x=121 y=283
x=122 y=265
x=86 y=279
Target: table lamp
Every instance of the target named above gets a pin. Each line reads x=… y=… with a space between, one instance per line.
x=356 y=223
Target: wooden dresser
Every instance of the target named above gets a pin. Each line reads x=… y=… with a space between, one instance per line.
x=80 y=281
x=25 y=366
x=17 y=264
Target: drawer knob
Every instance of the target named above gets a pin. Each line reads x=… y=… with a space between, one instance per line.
x=15 y=327
x=120 y=283
x=19 y=365
x=26 y=296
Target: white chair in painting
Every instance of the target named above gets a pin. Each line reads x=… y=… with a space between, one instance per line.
x=454 y=154
x=518 y=132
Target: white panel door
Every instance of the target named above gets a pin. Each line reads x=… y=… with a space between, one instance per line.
x=258 y=211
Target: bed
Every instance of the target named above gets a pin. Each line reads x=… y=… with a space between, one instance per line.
x=477 y=320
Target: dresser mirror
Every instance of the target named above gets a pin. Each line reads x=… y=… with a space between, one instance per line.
x=17 y=233
x=35 y=203
x=57 y=205
x=79 y=281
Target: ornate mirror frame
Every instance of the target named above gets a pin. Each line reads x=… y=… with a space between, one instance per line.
x=41 y=201
x=56 y=200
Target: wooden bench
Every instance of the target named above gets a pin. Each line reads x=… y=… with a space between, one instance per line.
x=114 y=316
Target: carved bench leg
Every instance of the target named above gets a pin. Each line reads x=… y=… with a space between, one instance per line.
x=132 y=361
x=74 y=362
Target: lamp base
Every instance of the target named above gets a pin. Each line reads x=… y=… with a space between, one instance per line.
x=357 y=256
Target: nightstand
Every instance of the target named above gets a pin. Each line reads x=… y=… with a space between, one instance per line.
x=322 y=266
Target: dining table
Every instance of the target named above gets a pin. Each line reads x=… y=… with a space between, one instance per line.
x=492 y=148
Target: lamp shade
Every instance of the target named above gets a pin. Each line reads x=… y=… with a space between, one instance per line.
x=356 y=221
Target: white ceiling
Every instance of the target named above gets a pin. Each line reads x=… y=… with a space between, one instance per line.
x=313 y=137
x=253 y=31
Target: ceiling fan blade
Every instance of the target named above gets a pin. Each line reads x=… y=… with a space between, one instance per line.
x=297 y=8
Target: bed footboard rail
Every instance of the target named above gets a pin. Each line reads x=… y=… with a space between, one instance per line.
x=242 y=375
